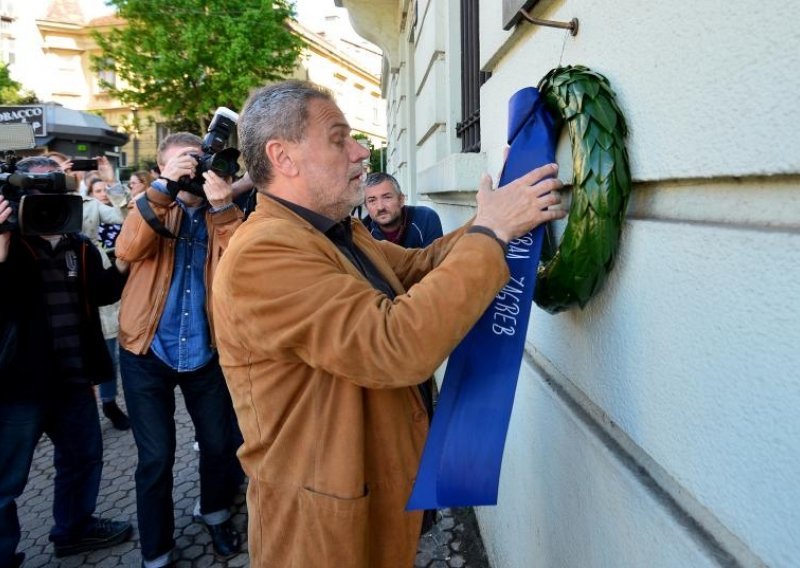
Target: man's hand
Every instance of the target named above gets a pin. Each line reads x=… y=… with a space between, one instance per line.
x=523 y=204
x=5 y=236
x=105 y=170
x=218 y=190
x=181 y=164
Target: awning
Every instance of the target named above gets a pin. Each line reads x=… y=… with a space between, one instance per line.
x=69 y=124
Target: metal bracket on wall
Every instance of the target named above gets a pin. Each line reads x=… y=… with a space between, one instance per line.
x=572 y=25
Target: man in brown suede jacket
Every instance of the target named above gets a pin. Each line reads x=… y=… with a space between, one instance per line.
x=324 y=333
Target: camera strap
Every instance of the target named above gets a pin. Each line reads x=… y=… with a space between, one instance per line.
x=143 y=205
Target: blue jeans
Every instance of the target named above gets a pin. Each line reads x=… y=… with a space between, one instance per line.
x=108 y=389
x=71 y=421
x=149 y=386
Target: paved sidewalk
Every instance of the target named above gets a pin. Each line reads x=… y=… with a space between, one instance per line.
x=453 y=543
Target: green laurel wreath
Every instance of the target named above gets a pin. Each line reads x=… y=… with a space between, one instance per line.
x=601 y=186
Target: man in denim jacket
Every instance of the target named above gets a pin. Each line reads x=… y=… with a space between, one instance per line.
x=173 y=240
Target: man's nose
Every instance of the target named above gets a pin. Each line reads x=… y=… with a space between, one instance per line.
x=361 y=153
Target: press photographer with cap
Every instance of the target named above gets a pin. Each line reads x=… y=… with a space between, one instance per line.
x=173 y=239
x=52 y=282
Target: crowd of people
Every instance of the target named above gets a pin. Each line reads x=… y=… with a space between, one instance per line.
x=302 y=338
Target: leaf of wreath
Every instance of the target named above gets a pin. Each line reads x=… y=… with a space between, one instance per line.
x=577 y=270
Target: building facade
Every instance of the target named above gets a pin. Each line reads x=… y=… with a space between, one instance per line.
x=49 y=48
x=658 y=426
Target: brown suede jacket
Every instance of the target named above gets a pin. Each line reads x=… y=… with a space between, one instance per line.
x=322 y=369
x=151 y=257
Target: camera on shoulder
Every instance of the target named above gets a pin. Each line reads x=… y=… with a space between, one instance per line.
x=215 y=157
x=41 y=203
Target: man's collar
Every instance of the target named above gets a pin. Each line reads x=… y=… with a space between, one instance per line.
x=191 y=210
x=320 y=222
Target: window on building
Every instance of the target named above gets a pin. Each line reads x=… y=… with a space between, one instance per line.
x=6 y=36
x=469 y=129
x=7 y=8
x=67 y=69
x=107 y=78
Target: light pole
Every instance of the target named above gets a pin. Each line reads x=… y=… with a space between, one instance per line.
x=135 y=134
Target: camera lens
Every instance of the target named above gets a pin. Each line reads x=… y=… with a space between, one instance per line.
x=225 y=163
x=219 y=165
x=50 y=214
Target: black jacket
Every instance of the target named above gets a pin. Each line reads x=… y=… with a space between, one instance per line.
x=28 y=367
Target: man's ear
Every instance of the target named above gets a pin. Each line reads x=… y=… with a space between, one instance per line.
x=402 y=199
x=278 y=156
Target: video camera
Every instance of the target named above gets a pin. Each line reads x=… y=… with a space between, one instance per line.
x=215 y=157
x=41 y=203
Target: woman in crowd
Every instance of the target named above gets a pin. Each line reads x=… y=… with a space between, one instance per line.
x=103 y=229
x=139 y=181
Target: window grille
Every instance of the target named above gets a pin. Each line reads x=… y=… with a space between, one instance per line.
x=469 y=129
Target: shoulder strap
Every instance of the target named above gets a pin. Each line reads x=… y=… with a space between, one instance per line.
x=143 y=205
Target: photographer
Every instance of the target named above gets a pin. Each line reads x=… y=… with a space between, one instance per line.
x=51 y=352
x=173 y=239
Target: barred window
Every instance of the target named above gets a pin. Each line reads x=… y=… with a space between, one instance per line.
x=469 y=129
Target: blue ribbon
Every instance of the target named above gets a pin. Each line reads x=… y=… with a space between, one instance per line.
x=462 y=457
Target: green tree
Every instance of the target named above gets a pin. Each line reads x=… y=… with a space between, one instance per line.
x=376 y=157
x=185 y=58
x=11 y=92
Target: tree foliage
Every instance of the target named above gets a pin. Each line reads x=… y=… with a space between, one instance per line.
x=376 y=157
x=12 y=92
x=185 y=58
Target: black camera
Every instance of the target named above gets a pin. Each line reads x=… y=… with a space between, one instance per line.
x=40 y=202
x=215 y=157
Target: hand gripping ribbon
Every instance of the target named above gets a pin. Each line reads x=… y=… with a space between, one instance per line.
x=462 y=457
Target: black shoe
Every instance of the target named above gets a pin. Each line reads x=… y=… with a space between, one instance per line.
x=226 y=539
x=17 y=559
x=102 y=534
x=117 y=417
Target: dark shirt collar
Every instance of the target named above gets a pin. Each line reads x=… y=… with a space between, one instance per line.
x=43 y=244
x=319 y=222
x=334 y=230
